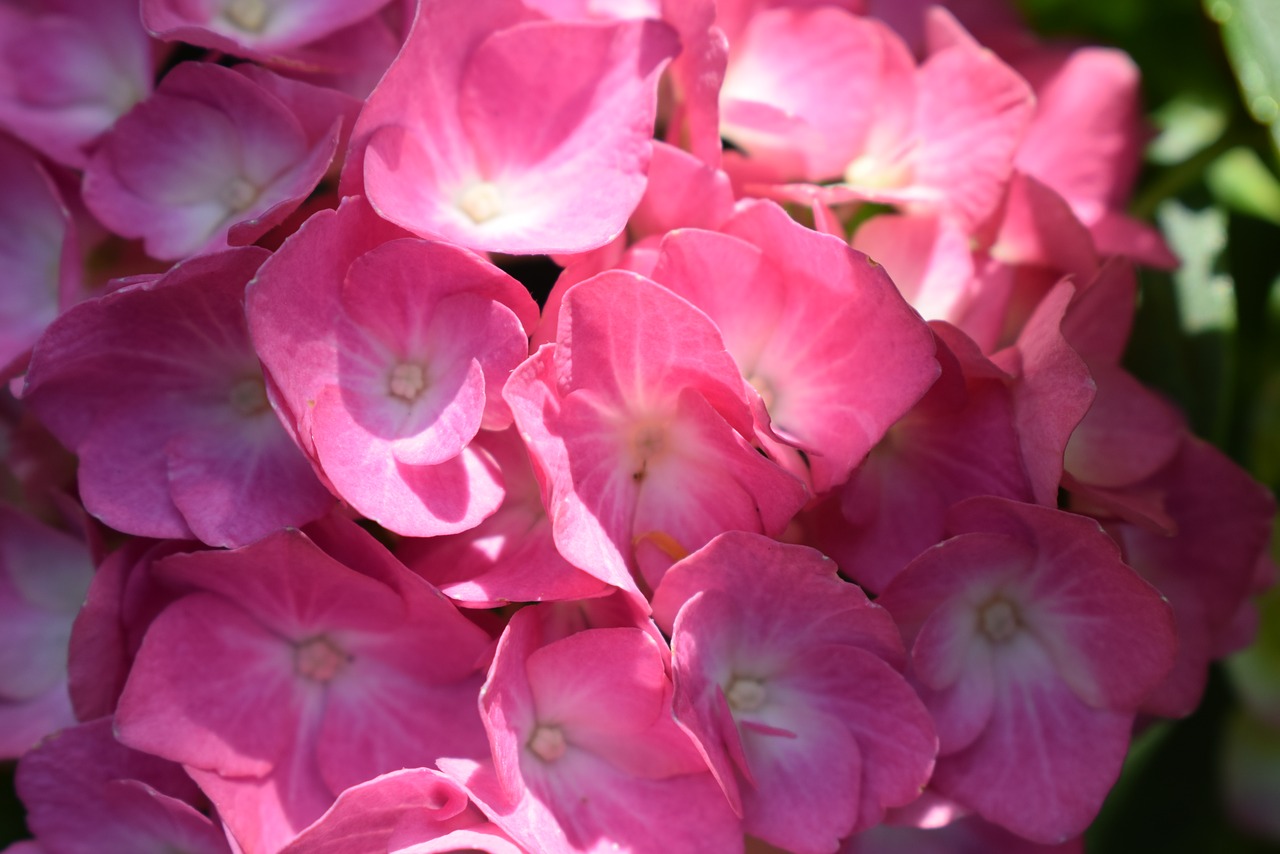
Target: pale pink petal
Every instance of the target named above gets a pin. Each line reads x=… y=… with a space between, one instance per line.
x=197 y=654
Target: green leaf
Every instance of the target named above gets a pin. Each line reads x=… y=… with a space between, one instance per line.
x=1188 y=124
x=1206 y=301
x=1241 y=181
x=1251 y=34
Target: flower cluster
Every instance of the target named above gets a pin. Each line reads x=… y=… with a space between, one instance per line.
x=811 y=508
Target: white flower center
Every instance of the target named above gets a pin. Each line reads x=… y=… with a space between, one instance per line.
x=481 y=202
x=249 y=397
x=407 y=381
x=239 y=194
x=648 y=443
x=248 y=15
x=319 y=659
x=746 y=695
x=999 y=620
x=547 y=743
x=764 y=388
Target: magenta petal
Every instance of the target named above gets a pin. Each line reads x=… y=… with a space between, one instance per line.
x=698 y=667
x=293 y=301
x=24 y=723
x=1044 y=765
x=286 y=582
x=157 y=366
x=614 y=710
x=534 y=139
x=265 y=813
x=890 y=724
x=1054 y=393
x=418 y=721
x=971 y=114
x=212 y=469
x=784 y=299
x=1127 y=434
x=574 y=681
x=418 y=501
x=599 y=807
x=37 y=253
x=1108 y=632
x=197 y=654
x=807 y=788
x=644 y=338
x=373 y=815
x=87 y=793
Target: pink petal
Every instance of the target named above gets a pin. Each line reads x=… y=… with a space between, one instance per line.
x=199 y=653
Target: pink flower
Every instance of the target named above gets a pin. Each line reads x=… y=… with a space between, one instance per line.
x=938 y=138
x=390 y=357
x=156 y=388
x=511 y=134
x=286 y=676
x=959 y=441
x=211 y=157
x=1206 y=562
x=1086 y=140
x=818 y=332
x=586 y=753
x=69 y=71
x=639 y=420
x=786 y=677
x=1033 y=646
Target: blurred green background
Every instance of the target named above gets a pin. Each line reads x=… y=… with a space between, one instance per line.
x=1207 y=335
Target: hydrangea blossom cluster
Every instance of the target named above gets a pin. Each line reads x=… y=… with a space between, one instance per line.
x=811 y=508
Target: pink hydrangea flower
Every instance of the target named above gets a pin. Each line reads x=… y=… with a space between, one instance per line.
x=810 y=324
x=939 y=137
x=69 y=69
x=1206 y=563
x=157 y=390
x=512 y=134
x=1033 y=647
x=211 y=156
x=586 y=754
x=639 y=419
x=787 y=678
x=959 y=441
x=390 y=357
x=287 y=675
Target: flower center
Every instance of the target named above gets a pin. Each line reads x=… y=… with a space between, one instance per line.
x=407 y=381
x=248 y=15
x=764 y=388
x=319 y=659
x=999 y=620
x=481 y=202
x=547 y=743
x=239 y=194
x=249 y=397
x=746 y=695
x=648 y=443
